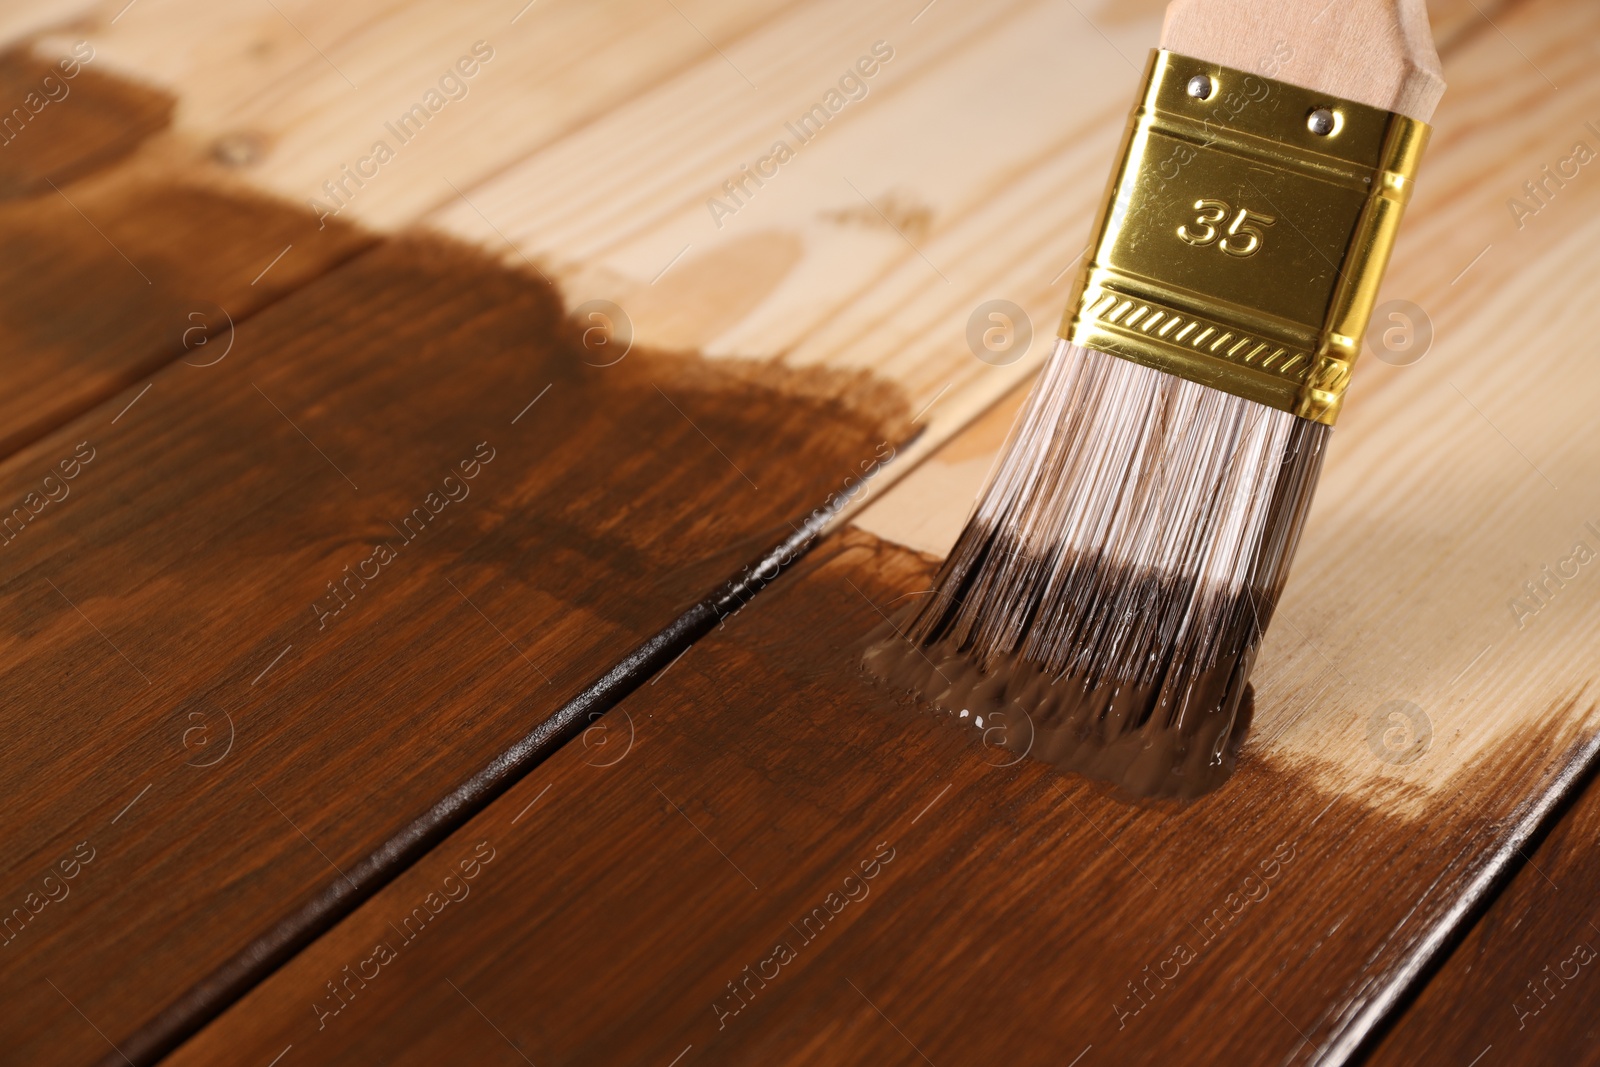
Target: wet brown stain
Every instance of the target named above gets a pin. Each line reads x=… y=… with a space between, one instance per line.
x=133 y=272
x=119 y=253
x=60 y=118
x=286 y=547
x=611 y=931
x=1018 y=707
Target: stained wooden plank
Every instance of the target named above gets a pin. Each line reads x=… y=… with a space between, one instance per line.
x=295 y=597
x=1277 y=921
x=1049 y=174
x=681 y=888
x=1519 y=988
x=114 y=262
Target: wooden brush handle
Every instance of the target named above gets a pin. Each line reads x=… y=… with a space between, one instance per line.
x=1377 y=52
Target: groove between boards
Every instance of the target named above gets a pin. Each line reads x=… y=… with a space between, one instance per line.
x=212 y=996
x=1357 y=1040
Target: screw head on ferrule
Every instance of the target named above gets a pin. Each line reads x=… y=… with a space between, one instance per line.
x=1244 y=234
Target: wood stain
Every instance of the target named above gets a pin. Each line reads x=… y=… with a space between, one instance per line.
x=227 y=496
x=1015 y=893
x=61 y=119
x=1101 y=732
x=121 y=250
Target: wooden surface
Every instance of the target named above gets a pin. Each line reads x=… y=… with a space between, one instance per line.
x=1018 y=906
x=194 y=544
x=175 y=614
x=230 y=99
x=114 y=264
x=1520 y=988
x=787 y=763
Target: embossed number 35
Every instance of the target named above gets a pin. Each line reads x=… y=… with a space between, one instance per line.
x=1241 y=237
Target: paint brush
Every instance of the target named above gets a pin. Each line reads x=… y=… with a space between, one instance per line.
x=1103 y=607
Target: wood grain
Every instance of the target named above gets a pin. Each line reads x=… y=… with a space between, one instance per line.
x=1435 y=507
x=115 y=262
x=1520 y=987
x=207 y=541
x=276 y=616
x=635 y=911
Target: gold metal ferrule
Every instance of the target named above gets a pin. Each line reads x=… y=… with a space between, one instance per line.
x=1244 y=234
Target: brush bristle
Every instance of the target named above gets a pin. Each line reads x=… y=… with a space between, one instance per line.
x=1107 y=597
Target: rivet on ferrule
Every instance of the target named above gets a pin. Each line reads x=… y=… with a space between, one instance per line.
x=1244 y=234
